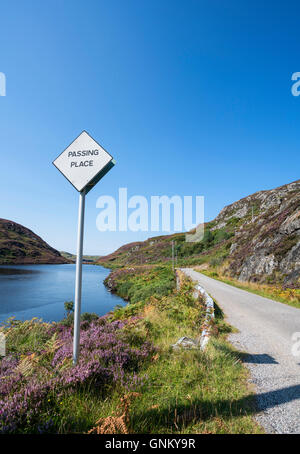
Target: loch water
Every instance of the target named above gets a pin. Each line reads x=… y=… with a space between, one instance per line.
x=28 y=291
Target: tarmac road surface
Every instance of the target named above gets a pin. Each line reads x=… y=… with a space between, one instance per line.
x=265 y=329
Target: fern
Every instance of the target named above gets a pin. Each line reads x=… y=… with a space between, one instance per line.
x=27 y=365
x=116 y=424
x=53 y=344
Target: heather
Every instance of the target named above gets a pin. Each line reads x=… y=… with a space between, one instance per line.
x=37 y=376
x=129 y=379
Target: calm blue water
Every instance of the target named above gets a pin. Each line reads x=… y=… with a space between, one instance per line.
x=28 y=291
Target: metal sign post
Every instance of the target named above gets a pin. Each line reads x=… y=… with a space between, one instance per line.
x=83 y=163
x=78 y=280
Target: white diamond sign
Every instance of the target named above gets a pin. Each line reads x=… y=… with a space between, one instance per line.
x=84 y=162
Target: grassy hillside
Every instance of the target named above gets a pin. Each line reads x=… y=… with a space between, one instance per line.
x=86 y=258
x=19 y=245
x=255 y=239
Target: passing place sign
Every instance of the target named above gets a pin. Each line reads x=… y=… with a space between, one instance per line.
x=83 y=162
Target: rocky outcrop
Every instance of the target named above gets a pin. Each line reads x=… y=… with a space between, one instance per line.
x=256 y=238
x=266 y=243
x=19 y=245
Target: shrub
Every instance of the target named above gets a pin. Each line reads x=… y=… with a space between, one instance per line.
x=31 y=384
x=69 y=306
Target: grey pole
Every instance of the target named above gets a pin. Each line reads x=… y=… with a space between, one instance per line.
x=78 y=282
x=173 y=267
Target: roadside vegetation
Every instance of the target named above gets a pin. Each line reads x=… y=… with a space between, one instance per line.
x=279 y=293
x=158 y=250
x=255 y=239
x=129 y=378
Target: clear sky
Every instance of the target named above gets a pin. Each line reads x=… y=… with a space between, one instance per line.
x=190 y=97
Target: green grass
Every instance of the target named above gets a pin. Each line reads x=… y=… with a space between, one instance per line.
x=187 y=391
x=158 y=250
x=277 y=293
x=178 y=391
x=27 y=336
x=196 y=392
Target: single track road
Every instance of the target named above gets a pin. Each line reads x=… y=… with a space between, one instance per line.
x=265 y=334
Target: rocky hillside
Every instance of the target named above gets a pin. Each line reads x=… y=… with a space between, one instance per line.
x=19 y=245
x=269 y=243
x=256 y=238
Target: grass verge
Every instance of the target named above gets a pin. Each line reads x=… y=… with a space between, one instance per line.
x=129 y=379
x=288 y=296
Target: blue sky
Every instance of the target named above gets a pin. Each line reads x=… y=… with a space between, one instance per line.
x=190 y=97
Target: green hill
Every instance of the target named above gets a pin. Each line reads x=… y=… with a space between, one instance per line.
x=254 y=239
x=86 y=258
x=19 y=245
